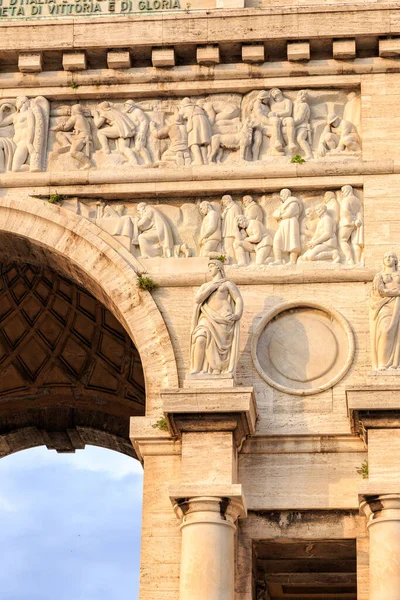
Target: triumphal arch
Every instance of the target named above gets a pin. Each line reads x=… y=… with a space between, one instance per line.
x=199 y=229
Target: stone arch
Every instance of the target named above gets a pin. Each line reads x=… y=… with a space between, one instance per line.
x=32 y=230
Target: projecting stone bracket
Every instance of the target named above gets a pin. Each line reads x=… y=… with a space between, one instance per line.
x=373 y=408
x=230 y=409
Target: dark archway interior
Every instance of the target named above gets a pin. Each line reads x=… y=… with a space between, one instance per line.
x=69 y=373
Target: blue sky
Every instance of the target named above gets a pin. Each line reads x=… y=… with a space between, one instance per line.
x=70 y=525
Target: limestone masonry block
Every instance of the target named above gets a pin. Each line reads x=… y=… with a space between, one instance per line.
x=389 y=48
x=208 y=55
x=343 y=49
x=30 y=62
x=298 y=51
x=118 y=59
x=163 y=57
x=74 y=61
x=253 y=53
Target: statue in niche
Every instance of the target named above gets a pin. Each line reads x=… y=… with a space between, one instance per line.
x=338 y=136
x=351 y=230
x=210 y=233
x=287 y=237
x=26 y=150
x=252 y=237
x=385 y=315
x=198 y=129
x=154 y=235
x=323 y=244
x=141 y=123
x=114 y=124
x=178 y=150
x=74 y=136
x=230 y=210
x=307 y=227
x=215 y=328
x=252 y=210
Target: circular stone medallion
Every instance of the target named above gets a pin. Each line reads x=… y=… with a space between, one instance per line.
x=302 y=348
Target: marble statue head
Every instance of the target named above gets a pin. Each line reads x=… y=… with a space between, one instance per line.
x=347 y=190
x=284 y=194
x=226 y=200
x=205 y=207
x=21 y=101
x=141 y=208
x=302 y=95
x=310 y=213
x=263 y=96
x=242 y=222
x=390 y=259
x=329 y=196
x=104 y=105
x=247 y=200
x=215 y=266
x=76 y=109
x=333 y=119
x=186 y=102
x=321 y=210
x=276 y=94
x=129 y=105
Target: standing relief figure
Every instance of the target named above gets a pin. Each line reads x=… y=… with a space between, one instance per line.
x=142 y=124
x=115 y=124
x=74 y=136
x=287 y=237
x=385 y=315
x=198 y=129
x=215 y=327
x=230 y=210
x=27 y=149
x=210 y=232
x=351 y=230
x=252 y=210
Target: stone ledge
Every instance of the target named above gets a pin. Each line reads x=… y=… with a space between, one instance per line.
x=224 y=409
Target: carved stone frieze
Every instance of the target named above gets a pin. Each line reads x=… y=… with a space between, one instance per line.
x=268 y=125
x=284 y=228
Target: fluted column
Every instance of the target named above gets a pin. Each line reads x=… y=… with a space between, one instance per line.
x=383 y=513
x=207 y=556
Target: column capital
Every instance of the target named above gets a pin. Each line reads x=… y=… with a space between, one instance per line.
x=199 y=503
x=382 y=507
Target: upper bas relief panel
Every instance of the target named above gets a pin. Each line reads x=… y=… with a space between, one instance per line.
x=264 y=126
x=283 y=228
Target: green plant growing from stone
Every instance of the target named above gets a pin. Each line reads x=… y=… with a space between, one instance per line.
x=55 y=198
x=161 y=424
x=363 y=470
x=297 y=159
x=187 y=6
x=146 y=283
x=221 y=258
x=74 y=85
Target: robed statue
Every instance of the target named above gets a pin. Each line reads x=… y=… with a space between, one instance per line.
x=385 y=315
x=215 y=327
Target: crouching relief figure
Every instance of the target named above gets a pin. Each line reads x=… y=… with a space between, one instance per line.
x=215 y=327
x=385 y=315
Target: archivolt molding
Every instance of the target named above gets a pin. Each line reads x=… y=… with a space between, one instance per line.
x=80 y=250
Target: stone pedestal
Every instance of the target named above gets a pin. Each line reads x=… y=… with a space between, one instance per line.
x=208 y=545
x=383 y=513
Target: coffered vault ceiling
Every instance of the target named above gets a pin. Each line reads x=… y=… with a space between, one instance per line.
x=69 y=373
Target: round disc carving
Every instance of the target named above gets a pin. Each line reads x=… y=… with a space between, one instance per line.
x=303 y=348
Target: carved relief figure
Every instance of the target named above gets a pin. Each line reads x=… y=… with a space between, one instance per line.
x=307 y=227
x=301 y=118
x=215 y=327
x=333 y=206
x=339 y=135
x=154 y=232
x=323 y=244
x=229 y=227
x=260 y=124
x=210 y=232
x=287 y=238
x=141 y=123
x=26 y=150
x=74 y=136
x=385 y=315
x=282 y=121
x=115 y=124
x=252 y=237
x=252 y=210
x=198 y=129
x=178 y=150
x=351 y=231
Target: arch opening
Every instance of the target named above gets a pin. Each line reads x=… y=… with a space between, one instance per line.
x=70 y=374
